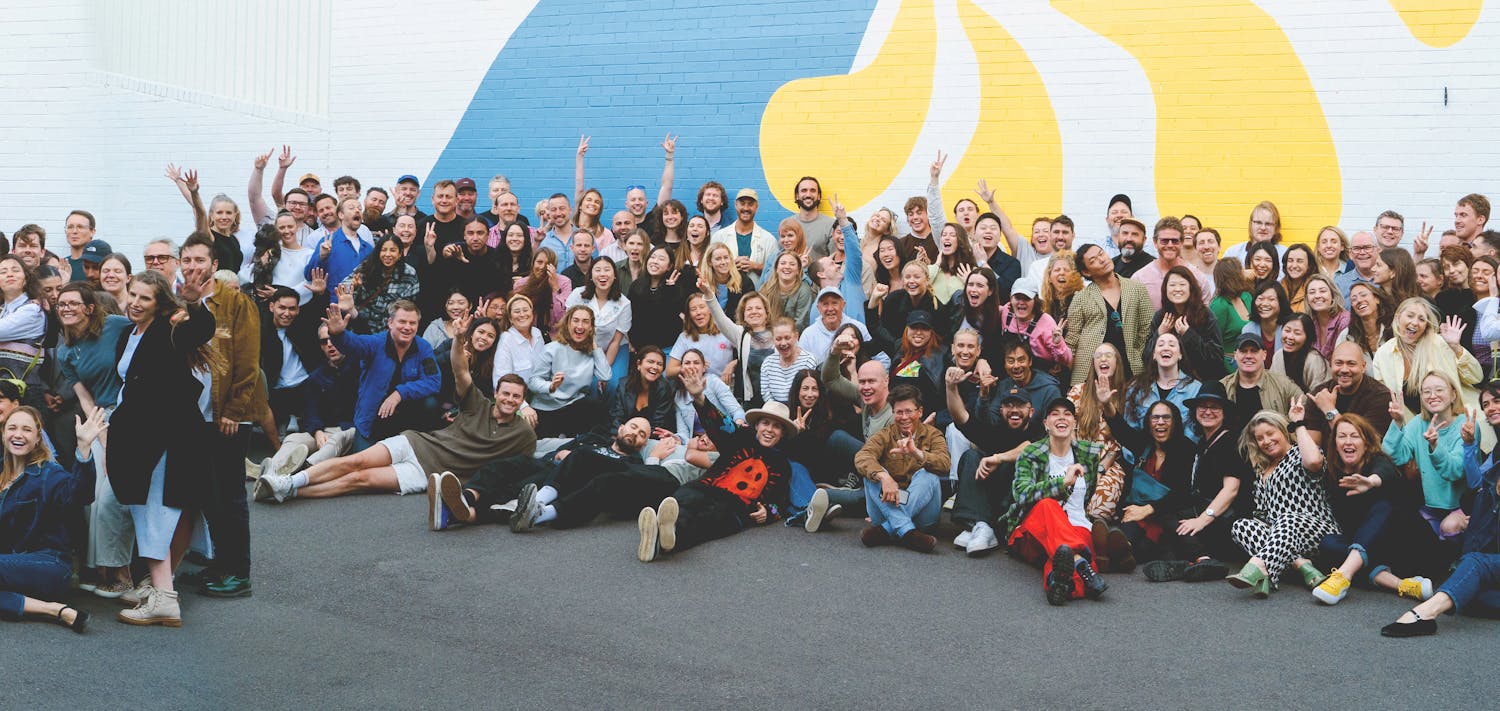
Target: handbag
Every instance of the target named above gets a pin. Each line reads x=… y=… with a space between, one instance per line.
x=1145 y=489
x=18 y=363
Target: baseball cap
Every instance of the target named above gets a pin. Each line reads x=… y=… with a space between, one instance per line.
x=747 y=193
x=1061 y=402
x=466 y=184
x=409 y=178
x=1249 y=339
x=919 y=317
x=828 y=290
x=309 y=176
x=1025 y=286
x=95 y=251
x=1015 y=395
x=1122 y=197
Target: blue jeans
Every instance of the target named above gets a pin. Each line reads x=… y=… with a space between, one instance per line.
x=1475 y=585
x=1369 y=533
x=842 y=448
x=39 y=574
x=921 y=510
x=802 y=488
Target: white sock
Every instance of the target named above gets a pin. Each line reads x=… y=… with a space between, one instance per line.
x=546 y=495
x=299 y=479
x=549 y=512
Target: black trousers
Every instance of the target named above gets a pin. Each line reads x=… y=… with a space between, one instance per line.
x=226 y=512
x=501 y=480
x=589 y=483
x=1213 y=541
x=286 y=402
x=982 y=499
x=706 y=513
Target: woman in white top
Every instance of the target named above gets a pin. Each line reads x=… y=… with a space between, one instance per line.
x=282 y=263
x=611 y=314
x=441 y=330
x=521 y=342
x=699 y=331
x=22 y=325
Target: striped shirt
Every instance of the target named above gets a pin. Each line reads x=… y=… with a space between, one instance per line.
x=776 y=379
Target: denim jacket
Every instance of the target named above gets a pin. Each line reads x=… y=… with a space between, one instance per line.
x=1483 y=533
x=37 y=511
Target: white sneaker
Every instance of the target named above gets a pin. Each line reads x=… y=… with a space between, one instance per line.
x=666 y=524
x=981 y=539
x=278 y=487
x=962 y=540
x=645 y=523
x=817 y=508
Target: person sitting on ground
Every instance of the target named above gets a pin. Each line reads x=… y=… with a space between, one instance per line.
x=328 y=424
x=869 y=396
x=822 y=498
x=39 y=501
x=486 y=429
x=1291 y=514
x=399 y=377
x=1194 y=524
x=746 y=484
x=986 y=473
x=587 y=482
x=1432 y=442
x=1366 y=492
x=902 y=492
x=1046 y=524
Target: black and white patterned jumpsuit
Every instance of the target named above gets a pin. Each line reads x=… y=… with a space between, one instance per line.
x=1291 y=515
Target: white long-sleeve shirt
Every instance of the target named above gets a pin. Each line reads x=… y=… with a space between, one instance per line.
x=22 y=319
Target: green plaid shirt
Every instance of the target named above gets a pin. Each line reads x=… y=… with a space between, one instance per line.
x=1033 y=483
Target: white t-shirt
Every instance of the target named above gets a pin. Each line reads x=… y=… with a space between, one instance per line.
x=717 y=350
x=1057 y=468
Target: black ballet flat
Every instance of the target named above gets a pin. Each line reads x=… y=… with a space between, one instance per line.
x=80 y=619
x=1420 y=628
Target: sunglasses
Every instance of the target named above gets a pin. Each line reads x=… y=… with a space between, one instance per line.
x=629 y=188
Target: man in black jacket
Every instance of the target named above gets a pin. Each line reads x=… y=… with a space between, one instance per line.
x=289 y=350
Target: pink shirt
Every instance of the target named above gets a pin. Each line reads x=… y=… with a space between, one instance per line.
x=1152 y=275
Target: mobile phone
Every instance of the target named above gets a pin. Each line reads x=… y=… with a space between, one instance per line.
x=901 y=495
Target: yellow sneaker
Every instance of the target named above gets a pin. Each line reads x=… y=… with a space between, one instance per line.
x=1417 y=588
x=1333 y=589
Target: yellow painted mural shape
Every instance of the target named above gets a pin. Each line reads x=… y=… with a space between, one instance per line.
x=859 y=128
x=1237 y=119
x=1439 y=23
x=1016 y=146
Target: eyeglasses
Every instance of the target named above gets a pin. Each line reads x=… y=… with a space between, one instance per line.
x=158 y=258
x=1261 y=223
x=1169 y=240
x=69 y=305
x=1362 y=248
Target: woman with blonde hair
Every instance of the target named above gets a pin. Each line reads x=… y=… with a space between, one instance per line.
x=564 y=381
x=719 y=276
x=1062 y=282
x=1423 y=343
x=791 y=238
x=882 y=224
x=1332 y=249
x=1291 y=514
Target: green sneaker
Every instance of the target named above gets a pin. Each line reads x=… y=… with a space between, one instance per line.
x=227 y=586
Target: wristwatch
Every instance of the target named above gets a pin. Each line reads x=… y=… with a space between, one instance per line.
x=1209 y=512
x=1332 y=413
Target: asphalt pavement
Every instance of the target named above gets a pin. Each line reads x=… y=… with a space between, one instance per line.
x=358 y=605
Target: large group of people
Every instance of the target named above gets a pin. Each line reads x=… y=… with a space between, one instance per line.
x=1164 y=396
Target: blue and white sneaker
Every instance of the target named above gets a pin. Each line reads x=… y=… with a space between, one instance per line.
x=438 y=517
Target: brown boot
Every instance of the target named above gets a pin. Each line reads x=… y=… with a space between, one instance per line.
x=918 y=541
x=159 y=608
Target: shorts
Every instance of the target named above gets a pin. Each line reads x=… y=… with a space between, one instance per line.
x=410 y=475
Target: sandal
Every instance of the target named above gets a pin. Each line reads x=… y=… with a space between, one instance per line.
x=80 y=618
x=1420 y=628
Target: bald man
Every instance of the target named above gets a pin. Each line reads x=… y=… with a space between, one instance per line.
x=1349 y=390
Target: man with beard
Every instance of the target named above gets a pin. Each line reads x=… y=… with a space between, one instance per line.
x=375 y=217
x=468 y=195
x=597 y=474
x=749 y=243
x=1130 y=237
x=342 y=249
x=817 y=226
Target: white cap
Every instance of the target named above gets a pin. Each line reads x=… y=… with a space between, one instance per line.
x=1025 y=286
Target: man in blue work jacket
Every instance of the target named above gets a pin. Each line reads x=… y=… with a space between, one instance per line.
x=399 y=379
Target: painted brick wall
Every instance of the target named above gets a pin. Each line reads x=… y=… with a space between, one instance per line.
x=462 y=88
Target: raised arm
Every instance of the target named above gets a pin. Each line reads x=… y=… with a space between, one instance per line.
x=668 y=170
x=935 y=213
x=583 y=147
x=458 y=355
x=285 y=161
x=259 y=211
x=1012 y=237
x=187 y=184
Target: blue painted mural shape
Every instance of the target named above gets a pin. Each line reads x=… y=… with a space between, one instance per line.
x=627 y=73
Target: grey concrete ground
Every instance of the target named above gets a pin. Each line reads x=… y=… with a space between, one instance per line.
x=358 y=605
